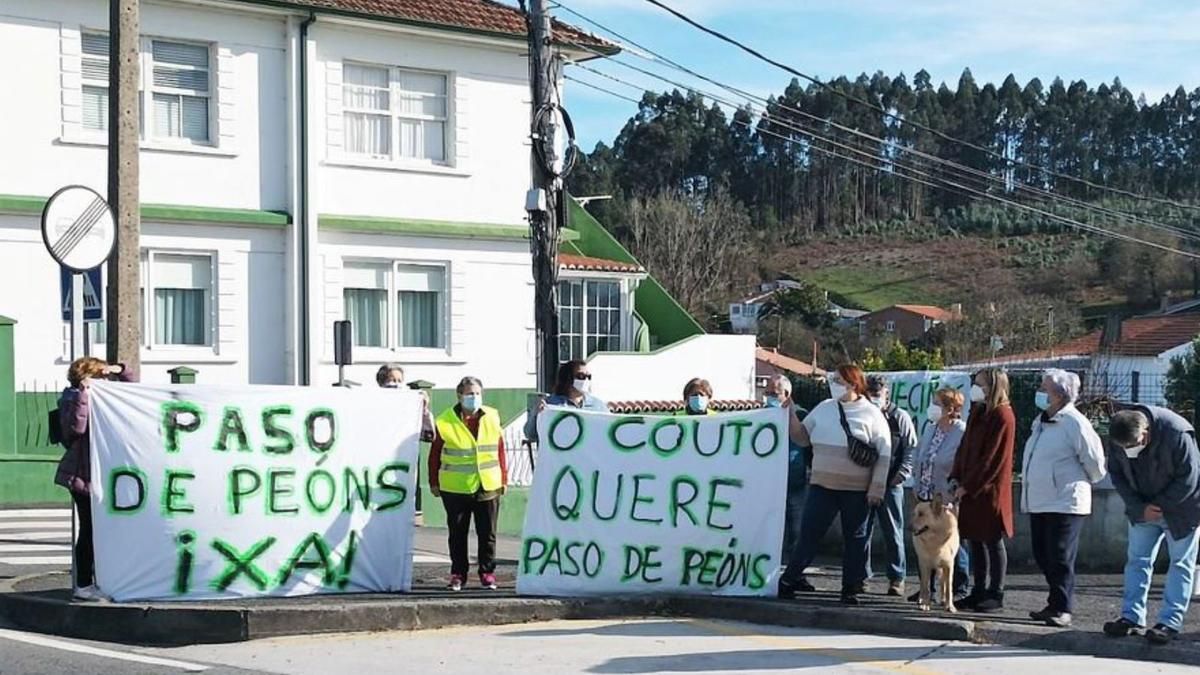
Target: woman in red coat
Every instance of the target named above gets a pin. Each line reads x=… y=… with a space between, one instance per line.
x=983 y=470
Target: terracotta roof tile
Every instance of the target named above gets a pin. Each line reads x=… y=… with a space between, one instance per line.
x=786 y=362
x=1140 y=336
x=588 y=264
x=662 y=407
x=477 y=15
x=929 y=311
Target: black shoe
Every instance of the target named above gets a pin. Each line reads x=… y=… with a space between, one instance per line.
x=916 y=597
x=1122 y=627
x=962 y=597
x=1042 y=614
x=849 y=598
x=861 y=588
x=1161 y=634
x=1059 y=620
x=787 y=591
x=991 y=603
x=971 y=601
x=803 y=586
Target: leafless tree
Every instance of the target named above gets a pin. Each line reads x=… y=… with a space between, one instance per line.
x=696 y=247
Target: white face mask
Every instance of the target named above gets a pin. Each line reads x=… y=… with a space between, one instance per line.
x=582 y=386
x=934 y=413
x=1133 y=452
x=977 y=394
x=837 y=390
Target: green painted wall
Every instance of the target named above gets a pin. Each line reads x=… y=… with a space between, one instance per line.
x=667 y=321
x=8 y=397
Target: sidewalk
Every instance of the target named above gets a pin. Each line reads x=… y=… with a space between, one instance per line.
x=42 y=602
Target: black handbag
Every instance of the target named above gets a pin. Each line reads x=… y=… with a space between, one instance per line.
x=861 y=453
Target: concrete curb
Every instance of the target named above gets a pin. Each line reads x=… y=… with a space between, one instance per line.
x=179 y=623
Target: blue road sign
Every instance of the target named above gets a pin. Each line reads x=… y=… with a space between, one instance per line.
x=93 y=298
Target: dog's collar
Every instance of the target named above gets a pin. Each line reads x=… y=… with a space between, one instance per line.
x=921 y=531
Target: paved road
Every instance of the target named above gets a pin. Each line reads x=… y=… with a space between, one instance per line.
x=644 y=646
x=34 y=540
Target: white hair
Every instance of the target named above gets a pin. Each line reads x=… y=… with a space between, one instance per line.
x=785 y=384
x=1065 y=382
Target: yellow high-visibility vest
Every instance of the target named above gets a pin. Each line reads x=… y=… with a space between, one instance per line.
x=469 y=463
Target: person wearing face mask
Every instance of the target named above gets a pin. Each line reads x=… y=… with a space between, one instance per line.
x=697 y=397
x=1155 y=467
x=778 y=394
x=572 y=388
x=983 y=469
x=1062 y=458
x=932 y=463
x=391 y=376
x=890 y=514
x=74 y=470
x=467 y=469
x=839 y=484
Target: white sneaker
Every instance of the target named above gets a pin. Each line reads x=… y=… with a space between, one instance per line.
x=90 y=593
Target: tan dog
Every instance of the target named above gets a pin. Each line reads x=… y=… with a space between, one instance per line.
x=935 y=537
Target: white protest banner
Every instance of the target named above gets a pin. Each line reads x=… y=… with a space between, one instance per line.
x=646 y=504
x=208 y=492
x=912 y=391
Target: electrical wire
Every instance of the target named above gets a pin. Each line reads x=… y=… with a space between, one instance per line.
x=932 y=181
x=903 y=120
x=1005 y=184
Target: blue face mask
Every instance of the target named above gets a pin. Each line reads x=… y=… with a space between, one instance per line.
x=1042 y=400
x=773 y=402
x=472 y=402
x=697 y=403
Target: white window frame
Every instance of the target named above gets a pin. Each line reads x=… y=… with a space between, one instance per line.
x=148 y=89
x=393 y=158
x=392 y=350
x=95 y=83
x=889 y=326
x=624 y=313
x=77 y=134
x=149 y=341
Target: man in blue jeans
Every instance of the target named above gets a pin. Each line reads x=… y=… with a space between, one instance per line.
x=1155 y=467
x=890 y=513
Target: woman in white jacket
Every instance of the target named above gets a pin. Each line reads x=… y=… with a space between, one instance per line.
x=1063 y=457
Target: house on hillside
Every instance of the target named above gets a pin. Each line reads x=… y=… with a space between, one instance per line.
x=745 y=315
x=904 y=323
x=1127 y=360
x=307 y=161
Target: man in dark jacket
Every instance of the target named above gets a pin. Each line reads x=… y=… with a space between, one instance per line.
x=1155 y=467
x=890 y=513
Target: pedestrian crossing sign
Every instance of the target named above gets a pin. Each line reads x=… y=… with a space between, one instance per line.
x=93 y=300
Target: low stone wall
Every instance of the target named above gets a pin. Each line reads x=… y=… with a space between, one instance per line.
x=1101 y=544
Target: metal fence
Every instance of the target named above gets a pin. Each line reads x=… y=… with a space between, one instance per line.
x=33 y=406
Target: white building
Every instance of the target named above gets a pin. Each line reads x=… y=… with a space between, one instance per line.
x=1127 y=360
x=308 y=161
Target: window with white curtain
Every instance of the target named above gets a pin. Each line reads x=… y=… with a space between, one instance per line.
x=589 y=319
x=180 y=88
x=394 y=113
x=94 y=75
x=395 y=305
x=365 y=293
x=178 y=308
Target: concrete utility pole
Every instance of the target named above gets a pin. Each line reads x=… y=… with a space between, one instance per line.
x=123 y=320
x=544 y=204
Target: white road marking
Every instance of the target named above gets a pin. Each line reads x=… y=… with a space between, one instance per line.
x=65 y=537
x=65 y=646
x=34 y=548
x=35 y=513
x=37 y=560
x=39 y=525
x=429 y=558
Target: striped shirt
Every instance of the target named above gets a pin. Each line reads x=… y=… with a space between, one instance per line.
x=832 y=467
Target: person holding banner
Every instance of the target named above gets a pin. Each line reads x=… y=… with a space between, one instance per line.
x=983 y=469
x=391 y=376
x=932 y=465
x=697 y=397
x=467 y=469
x=572 y=387
x=74 y=470
x=778 y=394
x=890 y=513
x=851 y=454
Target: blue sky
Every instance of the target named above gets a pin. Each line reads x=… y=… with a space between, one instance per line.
x=1153 y=46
